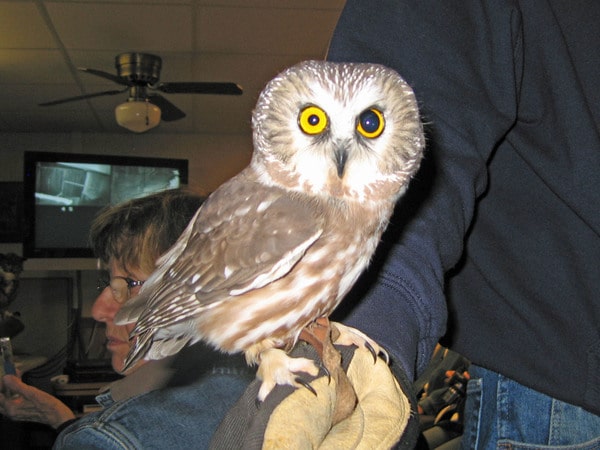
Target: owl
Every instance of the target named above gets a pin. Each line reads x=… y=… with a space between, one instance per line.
x=279 y=245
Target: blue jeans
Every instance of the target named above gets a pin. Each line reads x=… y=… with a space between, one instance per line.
x=503 y=414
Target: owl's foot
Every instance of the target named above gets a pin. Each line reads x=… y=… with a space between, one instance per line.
x=320 y=335
x=345 y=335
x=276 y=367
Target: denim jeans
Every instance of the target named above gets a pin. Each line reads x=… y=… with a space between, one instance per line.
x=503 y=414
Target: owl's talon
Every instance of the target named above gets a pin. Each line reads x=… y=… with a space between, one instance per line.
x=372 y=350
x=324 y=369
x=382 y=352
x=276 y=367
x=351 y=336
x=384 y=355
x=306 y=384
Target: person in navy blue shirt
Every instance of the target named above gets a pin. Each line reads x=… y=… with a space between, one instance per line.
x=496 y=246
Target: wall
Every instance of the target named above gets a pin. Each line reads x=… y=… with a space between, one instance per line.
x=212 y=158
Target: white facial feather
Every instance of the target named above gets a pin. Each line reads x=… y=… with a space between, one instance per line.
x=343 y=92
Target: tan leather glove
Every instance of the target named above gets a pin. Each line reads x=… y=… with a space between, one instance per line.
x=297 y=419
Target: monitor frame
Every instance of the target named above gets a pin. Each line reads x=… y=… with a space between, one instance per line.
x=31 y=222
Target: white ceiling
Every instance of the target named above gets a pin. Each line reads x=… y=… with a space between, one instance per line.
x=245 y=41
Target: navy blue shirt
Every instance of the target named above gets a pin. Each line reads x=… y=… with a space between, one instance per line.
x=502 y=224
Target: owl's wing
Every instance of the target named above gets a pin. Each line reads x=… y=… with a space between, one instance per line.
x=134 y=308
x=245 y=236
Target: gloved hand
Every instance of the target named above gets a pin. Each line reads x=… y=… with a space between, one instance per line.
x=297 y=418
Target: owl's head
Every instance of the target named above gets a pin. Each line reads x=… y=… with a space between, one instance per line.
x=346 y=130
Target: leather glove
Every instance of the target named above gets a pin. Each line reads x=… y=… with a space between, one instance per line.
x=383 y=416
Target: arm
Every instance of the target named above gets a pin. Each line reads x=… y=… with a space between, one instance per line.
x=28 y=403
x=462 y=58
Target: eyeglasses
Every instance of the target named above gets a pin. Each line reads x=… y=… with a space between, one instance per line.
x=120 y=286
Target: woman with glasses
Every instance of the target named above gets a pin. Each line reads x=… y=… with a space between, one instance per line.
x=175 y=402
x=114 y=292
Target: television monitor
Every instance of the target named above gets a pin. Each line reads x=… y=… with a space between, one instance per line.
x=63 y=192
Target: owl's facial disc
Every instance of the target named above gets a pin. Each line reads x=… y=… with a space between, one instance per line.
x=314 y=121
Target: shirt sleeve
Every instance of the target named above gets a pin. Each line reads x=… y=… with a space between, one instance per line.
x=94 y=436
x=463 y=59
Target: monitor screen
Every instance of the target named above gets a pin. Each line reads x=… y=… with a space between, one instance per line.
x=63 y=192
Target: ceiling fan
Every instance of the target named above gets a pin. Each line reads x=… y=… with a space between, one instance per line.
x=139 y=73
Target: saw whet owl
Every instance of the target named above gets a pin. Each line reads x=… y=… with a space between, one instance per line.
x=281 y=243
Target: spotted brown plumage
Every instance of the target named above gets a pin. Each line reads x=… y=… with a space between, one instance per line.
x=281 y=243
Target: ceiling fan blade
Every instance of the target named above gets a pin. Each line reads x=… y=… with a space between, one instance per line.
x=82 y=97
x=199 y=88
x=169 y=112
x=106 y=76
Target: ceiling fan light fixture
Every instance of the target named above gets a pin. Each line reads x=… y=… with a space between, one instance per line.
x=137 y=115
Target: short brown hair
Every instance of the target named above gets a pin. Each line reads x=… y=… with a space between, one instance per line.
x=135 y=233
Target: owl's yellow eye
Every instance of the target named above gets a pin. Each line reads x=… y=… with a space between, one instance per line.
x=312 y=120
x=370 y=123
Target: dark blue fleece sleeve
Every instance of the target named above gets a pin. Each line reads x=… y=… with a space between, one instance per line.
x=462 y=58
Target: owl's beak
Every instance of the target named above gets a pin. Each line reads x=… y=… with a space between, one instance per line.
x=341 y=157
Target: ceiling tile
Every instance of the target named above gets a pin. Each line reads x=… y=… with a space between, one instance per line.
x=27 y=66
x=123 y=27
x=262 y=30
x=22 y=26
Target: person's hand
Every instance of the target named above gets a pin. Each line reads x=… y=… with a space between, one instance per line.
x=19 y=401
